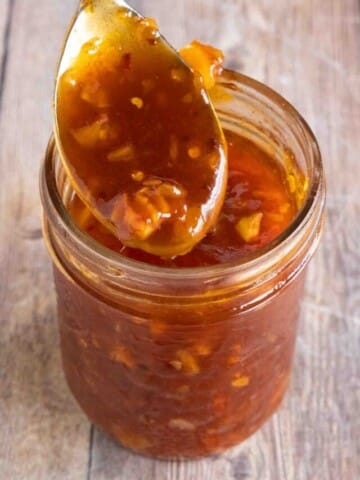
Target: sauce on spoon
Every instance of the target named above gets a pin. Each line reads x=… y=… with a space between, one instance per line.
x=138 y=135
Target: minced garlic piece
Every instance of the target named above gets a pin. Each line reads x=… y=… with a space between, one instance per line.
x=148 y=216
x=97 y=133
x=93 y=94
x=83 y=343
x=240 y=381
x=190 y=364
x=249 y=227
x=126 y=153
x=171 y=191
x=182 y=424
x=122 y=355
x=138 y=176
x=176 y=364
x=141 y=214
x=138 y=102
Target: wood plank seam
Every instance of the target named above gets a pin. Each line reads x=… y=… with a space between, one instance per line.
x=91 y=443
x=5 y=54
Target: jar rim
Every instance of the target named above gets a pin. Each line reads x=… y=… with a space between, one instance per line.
x=246 y=264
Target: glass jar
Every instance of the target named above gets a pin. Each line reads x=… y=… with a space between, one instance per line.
x=182 y=363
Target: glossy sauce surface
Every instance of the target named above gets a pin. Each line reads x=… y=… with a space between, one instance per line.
x=257 y=208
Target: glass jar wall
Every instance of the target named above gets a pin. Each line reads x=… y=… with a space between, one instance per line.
x=182 y=363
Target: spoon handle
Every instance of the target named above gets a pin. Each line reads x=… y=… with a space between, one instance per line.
x=119 y=3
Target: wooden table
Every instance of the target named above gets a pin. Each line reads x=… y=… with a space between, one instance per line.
x=308 y=50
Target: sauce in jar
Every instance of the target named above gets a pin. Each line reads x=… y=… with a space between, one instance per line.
x=186 y=356
x=176 y=377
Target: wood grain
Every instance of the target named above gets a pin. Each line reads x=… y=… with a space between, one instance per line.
x=5 y=23
x=43 y=434
x=308 y=50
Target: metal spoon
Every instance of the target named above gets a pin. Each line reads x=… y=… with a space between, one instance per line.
x=177 y=228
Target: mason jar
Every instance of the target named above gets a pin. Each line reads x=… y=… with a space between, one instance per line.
x=183 y=363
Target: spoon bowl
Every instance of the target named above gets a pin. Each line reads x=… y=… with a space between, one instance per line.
x=136 y=131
